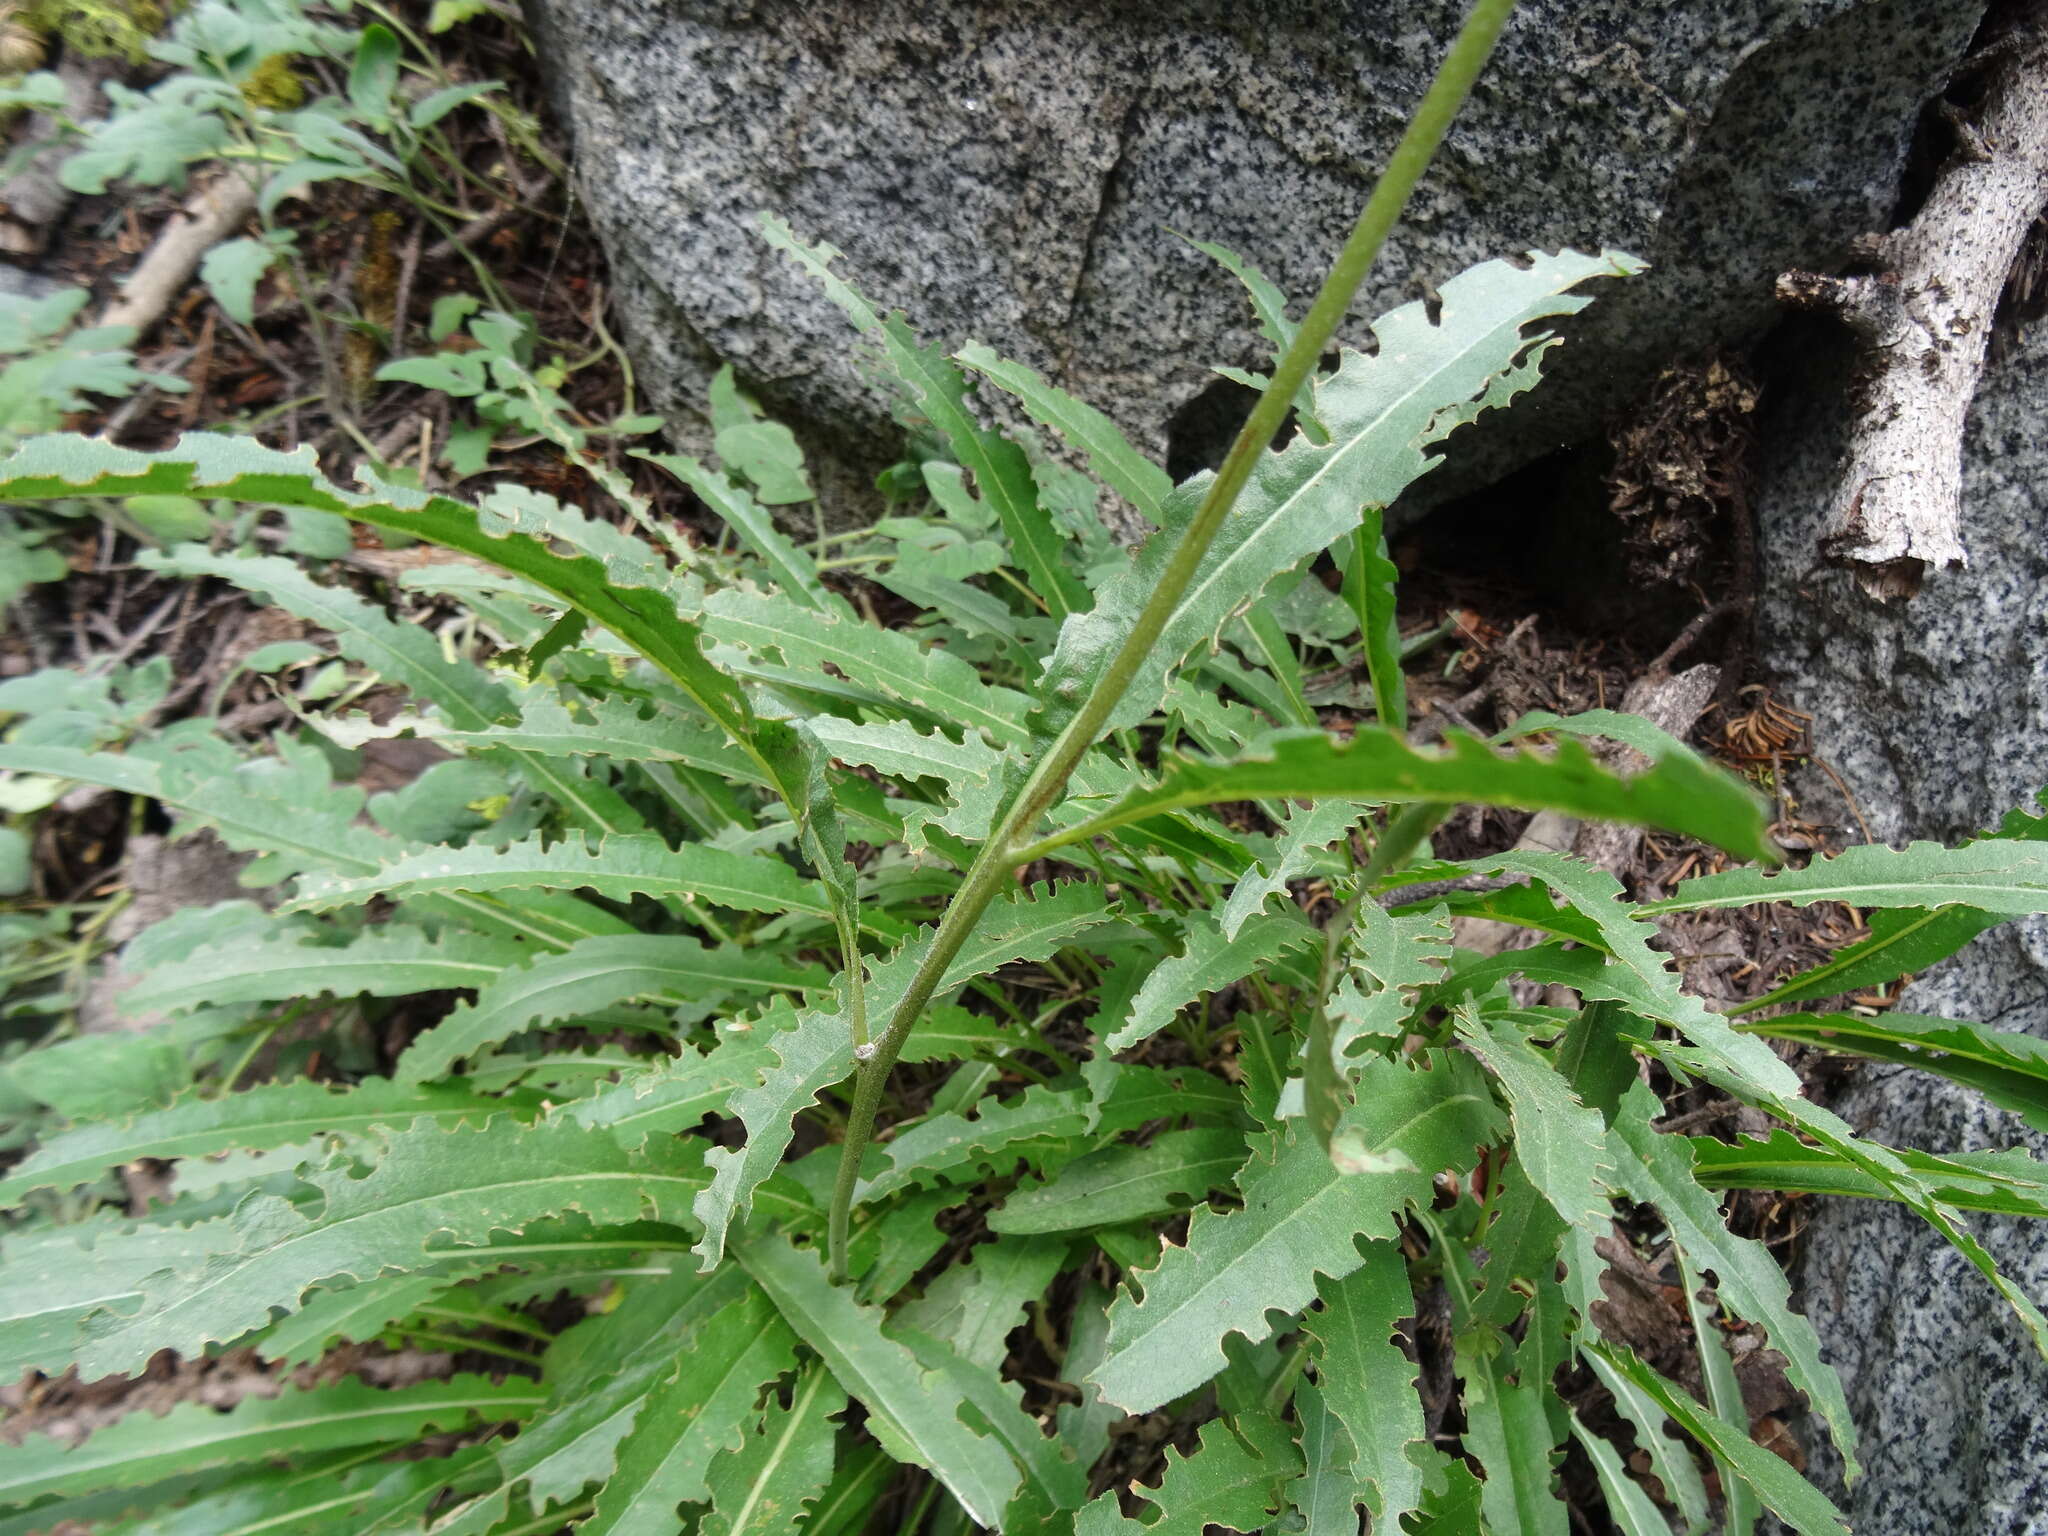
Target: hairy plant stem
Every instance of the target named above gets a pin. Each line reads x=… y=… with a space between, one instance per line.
x=994 y=866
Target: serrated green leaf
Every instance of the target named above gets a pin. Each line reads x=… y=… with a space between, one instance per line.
x=2009 y=1183
x=698 y=1411
x=1223 y=1484
x=1208 y=962
x=588 y=977
x=387 y=962
x=1328 y=1496
x=272 y=1115
x=782 y=1467
x=794 y=571
x=1120 y=1184
x=941 y=1144
x=2011 y=1070
x=1902 y=940
x=1370 y=576
x=942 y=686
x=1368 y=1382
x=1629 y=1505
x=674 y=1095
x=1739 y=1509
x=1269 y=309
x=1993 y=876
x=1110 y=454
x=1560 y=1144
x=1307 y=832
x=818 y=1050
x=1880 y=1163
x=973 y=1307
x=615 y=868
x=1377 y=766
x=1783 y=1491
x=1507 y=1433
x=613 y=580
x=1656 y=1170
x=612 y=727
x=604 y=1377
x=143 y=1448
x=1301 y=1218
x=939 y=393
x=423 y=1183
x=914 y=1412
x=1381 y=415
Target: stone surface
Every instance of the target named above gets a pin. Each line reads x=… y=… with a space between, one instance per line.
x=1935 y=713
x=1010 y=171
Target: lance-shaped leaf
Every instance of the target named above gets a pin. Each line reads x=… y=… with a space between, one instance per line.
x=1783 y=1491
x=1120 y=1184
x=1269 y=309
x=1560 y=1144
x=611 y=579
x=616 y=728
x=970 y=770
x=286 y=810
x=794 y=571
x=589 y=976
x=1308 y=832
x=2009 y=1183
x=604 y=1377
x=931 y=680
x=1629 y=1504
x=939 y=393
x=817 y=1050
x=974 y=1307
x=1992 y=876
x=387 y=962
x=1381 y=414
x=144 y=1448
x=1677 y=793
x=1369 y=580
x=679 y=1092
x=423 y=1183
x=1903 y=940
x=1301 y=1218
x=1880 y=1163
x=406 y=654
x=1368 y=1382
x=2011 y=1070
x=271 y=1115
x=1223 y=1483
x=766 y=1487
x=1656 y=1170
x=617 y=867
x=1327 y=1495
x=1110 y=454
x=700 y=1410
x=945 y=1143
x=914 y=1412
x=1208 y=962
x=1507 y=1432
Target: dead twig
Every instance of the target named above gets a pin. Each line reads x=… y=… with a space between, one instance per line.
x=1924 y=319
x=210 y=215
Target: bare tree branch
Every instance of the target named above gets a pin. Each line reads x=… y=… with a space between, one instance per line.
x=1925 y=321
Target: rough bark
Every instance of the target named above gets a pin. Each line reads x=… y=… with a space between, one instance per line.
x=1924 y=321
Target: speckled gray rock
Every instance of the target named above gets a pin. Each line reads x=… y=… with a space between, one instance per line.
x=1935 y=712
x=1009 y=170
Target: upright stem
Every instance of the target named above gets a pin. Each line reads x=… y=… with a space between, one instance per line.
x=992 y=868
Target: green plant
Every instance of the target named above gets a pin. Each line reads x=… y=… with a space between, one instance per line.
x=713 y=845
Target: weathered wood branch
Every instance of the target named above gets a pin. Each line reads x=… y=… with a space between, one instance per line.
x=1924 y=322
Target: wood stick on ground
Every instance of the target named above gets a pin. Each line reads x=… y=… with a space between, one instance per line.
x=1924 y=322
x=1673 y=703
x=210 y=215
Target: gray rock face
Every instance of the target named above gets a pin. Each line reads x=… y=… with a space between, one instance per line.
x=1935 y=712
x=1009 y=171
